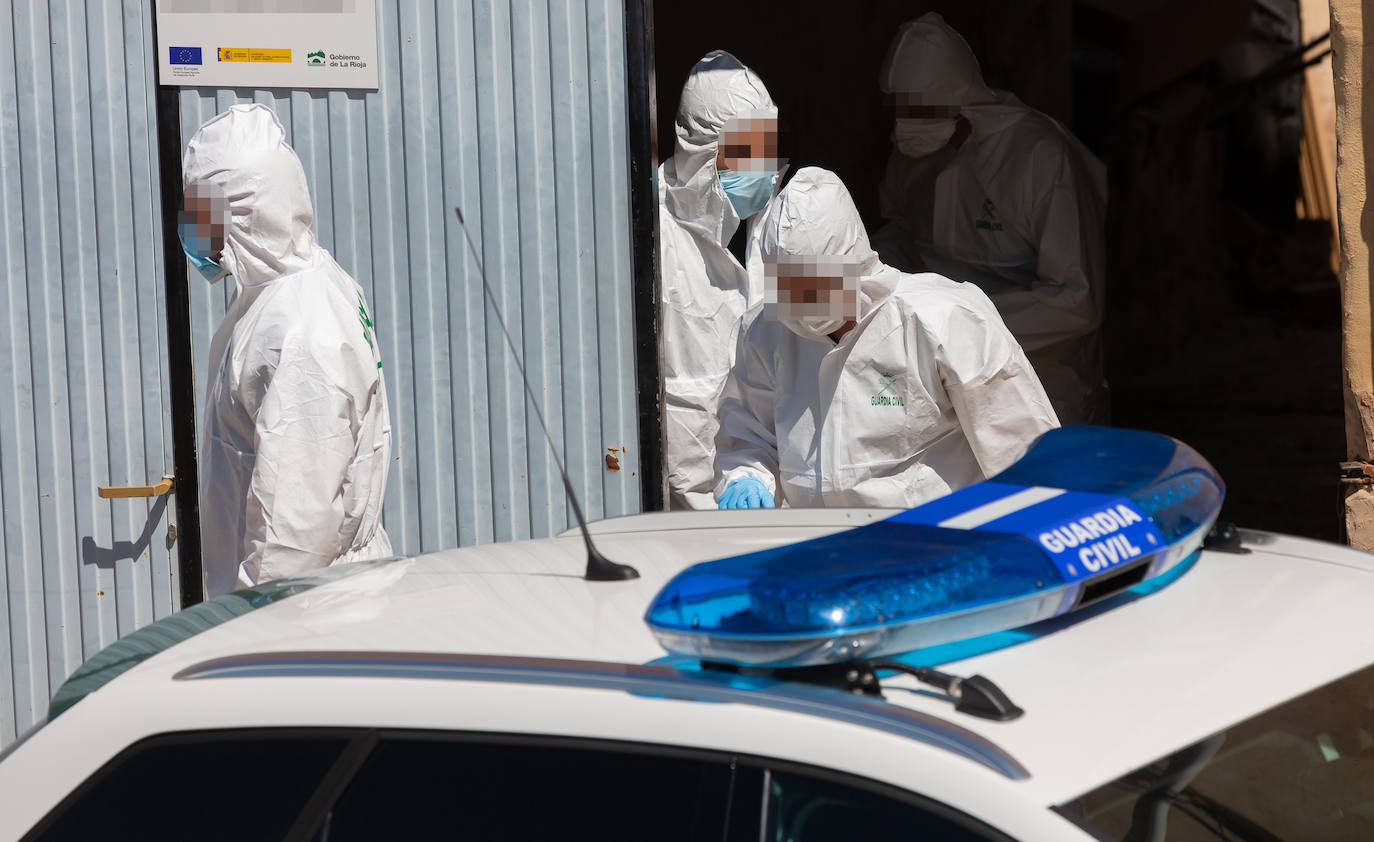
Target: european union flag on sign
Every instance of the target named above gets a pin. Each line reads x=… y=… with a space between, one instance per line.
x=185 y=55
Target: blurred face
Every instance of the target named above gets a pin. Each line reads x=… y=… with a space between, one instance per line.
x=909 y=106
x=922 y=127
x=749 y=144
x=803 y=293
x=202 y=219
x=816 y=288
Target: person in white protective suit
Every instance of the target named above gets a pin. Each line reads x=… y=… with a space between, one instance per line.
x=724 y=169
x=860 y=385
x=297 y=433
x=982 y=188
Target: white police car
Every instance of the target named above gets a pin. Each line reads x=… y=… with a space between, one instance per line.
x=1046 y=656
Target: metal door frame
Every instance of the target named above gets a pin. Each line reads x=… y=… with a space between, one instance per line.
x=643 y=123
x=180 y=360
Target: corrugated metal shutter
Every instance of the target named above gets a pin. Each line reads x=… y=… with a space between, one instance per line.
x=84 y=402
x=514 y=111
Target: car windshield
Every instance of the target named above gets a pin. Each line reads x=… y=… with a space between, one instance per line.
x=1301 y=771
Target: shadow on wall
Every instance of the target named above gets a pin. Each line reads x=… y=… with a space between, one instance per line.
x=106 y=557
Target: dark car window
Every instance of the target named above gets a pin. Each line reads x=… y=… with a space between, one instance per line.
x=430 y=788
x=335 y=786
x=205 y=786
x=805 y=809
x=1301 y=771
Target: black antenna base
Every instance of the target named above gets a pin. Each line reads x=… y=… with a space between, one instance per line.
x=599 y=568
x=602 y=569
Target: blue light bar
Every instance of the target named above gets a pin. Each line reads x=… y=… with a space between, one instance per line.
x=1086 y=512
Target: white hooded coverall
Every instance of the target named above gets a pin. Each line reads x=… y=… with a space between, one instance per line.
x=927 y=393
x=705 y=290
x=297 y=435
x=1017 y=209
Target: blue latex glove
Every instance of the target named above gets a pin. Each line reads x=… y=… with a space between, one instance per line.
x=747 y=493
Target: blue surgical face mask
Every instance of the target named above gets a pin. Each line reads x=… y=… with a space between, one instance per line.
x=197 y=249
x=748 y=192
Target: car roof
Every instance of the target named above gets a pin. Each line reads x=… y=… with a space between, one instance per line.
x=1104 y=693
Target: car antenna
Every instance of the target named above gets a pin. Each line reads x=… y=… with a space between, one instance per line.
x=599 y=568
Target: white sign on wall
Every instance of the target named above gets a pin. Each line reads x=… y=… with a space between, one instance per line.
x=267 y=43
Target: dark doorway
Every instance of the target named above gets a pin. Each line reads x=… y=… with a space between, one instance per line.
x=1223 y=310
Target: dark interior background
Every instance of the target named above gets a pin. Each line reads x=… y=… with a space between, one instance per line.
x=1223 y=307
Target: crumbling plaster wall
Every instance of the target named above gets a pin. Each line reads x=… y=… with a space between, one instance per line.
x=1350 y=71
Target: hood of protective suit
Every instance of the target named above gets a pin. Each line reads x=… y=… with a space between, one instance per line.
x=718 y=89
x=272 y=227
x=932 y=63
x=814 y=216
x=927 y=57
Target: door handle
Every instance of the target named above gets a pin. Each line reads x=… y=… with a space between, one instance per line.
x=163 y=486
